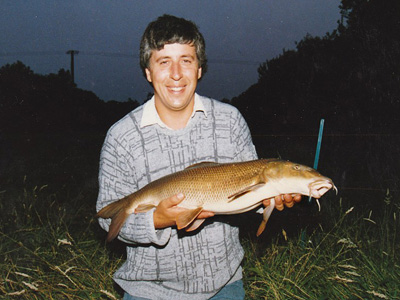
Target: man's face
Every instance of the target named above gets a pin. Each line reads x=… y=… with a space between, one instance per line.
x=174 y=72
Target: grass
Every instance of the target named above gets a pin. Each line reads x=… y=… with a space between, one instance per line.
x=52 y=248
x=355 y=256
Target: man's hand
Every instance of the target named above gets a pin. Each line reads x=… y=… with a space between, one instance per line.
x=281 y=201
x=167 y=210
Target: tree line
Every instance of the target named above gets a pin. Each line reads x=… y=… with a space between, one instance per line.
x=33 y=103
x=351 y=77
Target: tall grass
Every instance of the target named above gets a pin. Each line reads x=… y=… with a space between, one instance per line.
x=353 y=255
x=52 y=248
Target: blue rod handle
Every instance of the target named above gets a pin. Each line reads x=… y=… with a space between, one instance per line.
x=316 y=159
x=321 y=130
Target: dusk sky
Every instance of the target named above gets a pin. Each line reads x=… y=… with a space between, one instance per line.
x=239 y=35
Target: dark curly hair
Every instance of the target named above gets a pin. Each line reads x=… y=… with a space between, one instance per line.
x=169 y=29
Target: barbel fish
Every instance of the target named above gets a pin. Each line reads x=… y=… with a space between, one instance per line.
x=222 y=188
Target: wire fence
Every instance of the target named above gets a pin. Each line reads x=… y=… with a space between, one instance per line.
x=359 y=164
x=366 y=162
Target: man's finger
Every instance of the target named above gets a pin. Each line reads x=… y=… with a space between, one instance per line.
x=267 y=202
x=174 y=200
x=288 y=198
x=279 y=202
x=289 y=204
x=297 y=197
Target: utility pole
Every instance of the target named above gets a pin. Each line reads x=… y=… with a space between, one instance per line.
x=72 y=53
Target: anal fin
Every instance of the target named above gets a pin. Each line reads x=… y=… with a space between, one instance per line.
x=266 y=214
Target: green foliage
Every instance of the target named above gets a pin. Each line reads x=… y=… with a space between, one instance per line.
x=51 y=250
x=351 y=77
x=352 y=256
x=32 y=103
x=52 y=247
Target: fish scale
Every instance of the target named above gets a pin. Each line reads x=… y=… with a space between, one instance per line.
x=215 y=177
x=228 y=188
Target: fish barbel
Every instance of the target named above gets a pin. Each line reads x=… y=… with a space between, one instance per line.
x=222 y=188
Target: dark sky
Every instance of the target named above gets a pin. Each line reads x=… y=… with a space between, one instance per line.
x=239 y=36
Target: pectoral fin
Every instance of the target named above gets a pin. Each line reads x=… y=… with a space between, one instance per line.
x=184 y=219
x=144 y=208
x=248 y=189
x=266 y=214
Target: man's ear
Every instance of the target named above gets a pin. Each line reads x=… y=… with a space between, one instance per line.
x=148 y=74
x=199 y=73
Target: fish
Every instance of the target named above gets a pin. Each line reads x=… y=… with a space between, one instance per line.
x=222 y=188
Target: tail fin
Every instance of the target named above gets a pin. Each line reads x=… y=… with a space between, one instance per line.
x=118 y=214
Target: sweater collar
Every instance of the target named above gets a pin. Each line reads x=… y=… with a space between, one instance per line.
x=151 y=117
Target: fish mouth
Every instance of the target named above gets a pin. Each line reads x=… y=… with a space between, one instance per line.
x=319 y=187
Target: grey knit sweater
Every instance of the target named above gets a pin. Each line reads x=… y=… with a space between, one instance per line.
x=167 y=264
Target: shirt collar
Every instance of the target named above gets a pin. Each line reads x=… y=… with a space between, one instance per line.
x=151 y=117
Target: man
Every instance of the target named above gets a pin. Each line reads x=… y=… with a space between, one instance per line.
x=173 y=130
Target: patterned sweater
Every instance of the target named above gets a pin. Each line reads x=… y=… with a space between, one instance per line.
x=167 y=264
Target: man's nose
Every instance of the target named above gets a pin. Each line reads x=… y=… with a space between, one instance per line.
x=176 y=71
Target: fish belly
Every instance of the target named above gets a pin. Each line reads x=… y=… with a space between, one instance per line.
x=241 y=204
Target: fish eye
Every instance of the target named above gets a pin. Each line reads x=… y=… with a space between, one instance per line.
x=296 y=167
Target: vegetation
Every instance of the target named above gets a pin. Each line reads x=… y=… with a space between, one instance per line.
x=52 y=248
x=353 y=255
x=31 y=103
x=51 y=134
x=351 y=77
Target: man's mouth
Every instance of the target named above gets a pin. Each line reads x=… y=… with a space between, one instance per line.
x=176 y=88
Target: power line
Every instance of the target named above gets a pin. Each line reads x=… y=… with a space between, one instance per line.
x=234 y=62
x=108 y=54
x=31 y=53
x=124 y=55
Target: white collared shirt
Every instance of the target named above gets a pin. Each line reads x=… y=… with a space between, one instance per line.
x=151 y=117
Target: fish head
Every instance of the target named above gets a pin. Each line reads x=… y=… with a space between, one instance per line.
x=292 y=177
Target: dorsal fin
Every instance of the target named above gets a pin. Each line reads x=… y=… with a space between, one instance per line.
x=202 y=164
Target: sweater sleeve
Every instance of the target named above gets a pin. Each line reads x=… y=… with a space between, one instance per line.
x=116 y=180
x=245 y=149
